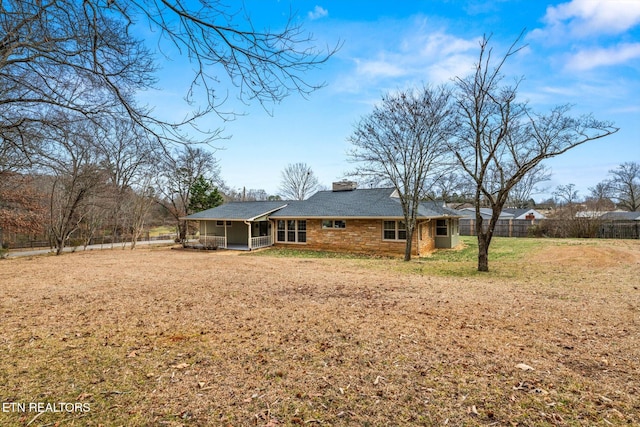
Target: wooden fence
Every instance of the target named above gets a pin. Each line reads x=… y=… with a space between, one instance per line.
x=619 y=230
x=504 y=227
x=557 y=228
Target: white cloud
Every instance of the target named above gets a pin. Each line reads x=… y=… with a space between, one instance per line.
x=601 y=57
x=317 y=13
x=421 y=54
x=380 y=68
x=589 y=18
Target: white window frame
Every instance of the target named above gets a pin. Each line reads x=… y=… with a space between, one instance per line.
x=334 y=224
x=440 y=227
x=396 y=230
x=220 y=223
x=296 y=231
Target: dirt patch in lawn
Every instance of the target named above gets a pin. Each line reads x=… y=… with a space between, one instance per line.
x=164 y=337
x=576 y=253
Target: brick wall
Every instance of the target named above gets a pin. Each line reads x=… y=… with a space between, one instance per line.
x=426 y=239
x=363 y=236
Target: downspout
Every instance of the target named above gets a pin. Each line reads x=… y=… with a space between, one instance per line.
x=417 y=239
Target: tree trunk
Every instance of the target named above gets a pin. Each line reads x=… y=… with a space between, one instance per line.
x=59 y=246
x=483 y=252
x=407 y=247
x=182 y=232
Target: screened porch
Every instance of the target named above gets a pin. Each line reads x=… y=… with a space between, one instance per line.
x=236 y=235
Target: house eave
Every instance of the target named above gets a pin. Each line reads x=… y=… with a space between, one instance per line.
x=443 y=216
x=249 y=219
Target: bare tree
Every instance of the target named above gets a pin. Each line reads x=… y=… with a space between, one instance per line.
x=21 y=207
x=521 y=193
x=566 y=195
x=451 y=187
x=574 y=217
x=599 y=197
x=127 y=155
x=84 y=57
x=297 y=182
x=176 y=175
x=71 y=160
x=624 y=185
x=244 y=194
x=139 y=206
x=403 y=143
x=501 y=140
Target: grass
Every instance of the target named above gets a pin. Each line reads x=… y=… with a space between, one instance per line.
x=176 y=338
x=460 y=262
x=284 y=252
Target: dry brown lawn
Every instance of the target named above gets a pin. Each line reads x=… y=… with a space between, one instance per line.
x=170 y=337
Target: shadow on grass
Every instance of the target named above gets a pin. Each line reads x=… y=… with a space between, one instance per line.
x=505 y=256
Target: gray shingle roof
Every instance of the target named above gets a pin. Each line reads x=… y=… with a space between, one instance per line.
x=361 y=203
x=436 y=209
x=484 y=212
x=629 y=216
x=238 y=211
x=516 y=212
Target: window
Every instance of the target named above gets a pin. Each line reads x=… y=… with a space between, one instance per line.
x=221 y=223
x=282 y=230
x=394 y=230
x=442 y=228
x=302 y=231
x=330 y=223
x=291 y=231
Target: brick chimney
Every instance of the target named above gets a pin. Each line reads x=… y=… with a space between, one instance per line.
x=345 y=186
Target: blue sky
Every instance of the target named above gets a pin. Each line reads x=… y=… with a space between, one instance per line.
x=582 y=52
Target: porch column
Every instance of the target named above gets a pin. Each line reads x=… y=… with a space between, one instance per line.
x=225 y=234
x=249 y=226
x=206 y=223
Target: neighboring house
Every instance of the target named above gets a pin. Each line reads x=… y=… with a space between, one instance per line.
x=510 y=213
x=345 y=219
x=620 y=216
x=511 y=222
x=485 y=213
x=589 y=214
x=528 y=214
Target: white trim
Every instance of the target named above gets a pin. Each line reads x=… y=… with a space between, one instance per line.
x=446 y=227
x=296 y=231
x=333 y=224
x=397 y=230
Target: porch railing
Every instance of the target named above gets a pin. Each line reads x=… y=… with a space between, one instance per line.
x=261 y=242
x=217 y=241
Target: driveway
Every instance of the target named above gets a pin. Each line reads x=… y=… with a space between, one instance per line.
x=32 y=252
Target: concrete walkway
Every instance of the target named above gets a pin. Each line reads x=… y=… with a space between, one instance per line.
x=32 y=252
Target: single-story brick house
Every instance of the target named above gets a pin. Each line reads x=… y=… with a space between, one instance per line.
x=345 y=219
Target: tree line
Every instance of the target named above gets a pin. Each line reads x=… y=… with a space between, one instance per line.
x=71 y=125
x=77 y=148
